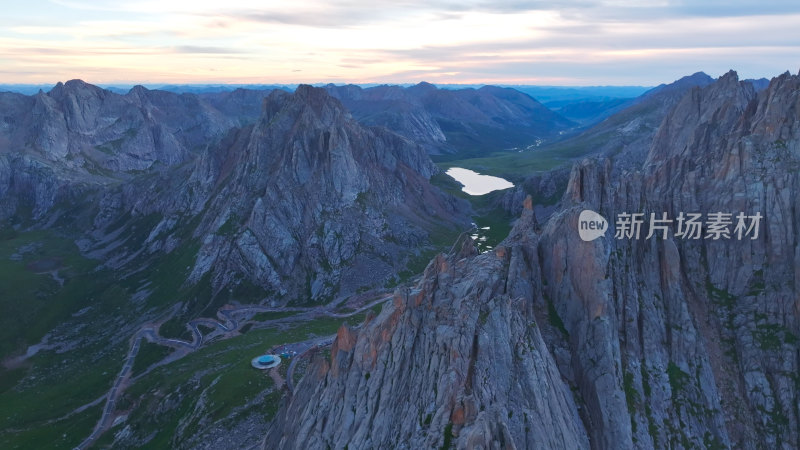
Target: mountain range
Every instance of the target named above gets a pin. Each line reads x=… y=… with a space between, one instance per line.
x=154 y=242
x=454 y=121
x=553 y=342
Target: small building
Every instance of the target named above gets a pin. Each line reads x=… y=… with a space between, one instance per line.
x=265 y=362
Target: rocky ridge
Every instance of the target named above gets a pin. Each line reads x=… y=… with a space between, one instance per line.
x=625 y=137
x=304 y=203
x=298 y=200
x=461 y=121
x=553 y=342
x=333 y=200
x=56 y=145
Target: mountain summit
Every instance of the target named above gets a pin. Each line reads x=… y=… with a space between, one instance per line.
x=314 y=198
x=553 y=342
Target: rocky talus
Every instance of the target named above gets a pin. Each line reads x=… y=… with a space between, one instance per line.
x=552 y=342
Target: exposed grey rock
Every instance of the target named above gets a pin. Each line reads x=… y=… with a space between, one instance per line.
x=288 y=202
x=309 y=189
x=545 y=190
x=665 y=343
x=455 y=355
x=625 y=137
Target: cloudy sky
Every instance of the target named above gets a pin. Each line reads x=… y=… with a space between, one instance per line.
x=581 y=42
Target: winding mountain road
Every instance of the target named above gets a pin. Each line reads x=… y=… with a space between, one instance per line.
x=226 y=324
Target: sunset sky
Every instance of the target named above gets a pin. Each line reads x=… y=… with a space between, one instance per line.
x=584 y=42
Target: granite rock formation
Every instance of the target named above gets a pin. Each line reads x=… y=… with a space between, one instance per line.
x=300 y=201
x=552 y=342
x=625 y=137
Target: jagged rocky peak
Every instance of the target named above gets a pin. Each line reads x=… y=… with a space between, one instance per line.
x=693 y=301
x=75 y=87
x=140 y=92
x=85 y=107
x=553 y=342
x=79 y=126
x=312 y=95
x=423 y=87
x=721 y=102
x=779 y=107
x=303 y=202
x=708 y=121
x=452 y=361
x=317 y=202
x=315 y=101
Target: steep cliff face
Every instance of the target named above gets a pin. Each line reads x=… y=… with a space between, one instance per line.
x=314 y=196
x=56 y=146
x=305 y=204
x=661 y=343
x=301 y=202
x=454 y=360
x=625 y=137
x=82 y=126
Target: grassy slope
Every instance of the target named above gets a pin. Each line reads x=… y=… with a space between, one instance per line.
x=52 y=384
x=212 y=386
x=512 y=166
x=486 y=214
x=94 y=314
x=516 y=165
x=34 y=303
x=35 y=397
x=87 y=313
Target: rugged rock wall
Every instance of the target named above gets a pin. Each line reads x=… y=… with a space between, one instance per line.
x=57 y=146
x=82 y=126
x=309 y=194
x=453 y=360
x=662 y=343
x=305 y=203
x=301 y=203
